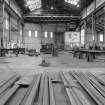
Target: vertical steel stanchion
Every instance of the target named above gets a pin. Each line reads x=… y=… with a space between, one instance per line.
x=3 y=24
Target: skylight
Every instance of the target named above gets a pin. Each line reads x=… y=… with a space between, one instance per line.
x=33 y=4
x=74 y=2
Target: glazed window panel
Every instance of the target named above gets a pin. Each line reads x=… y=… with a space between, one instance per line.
x=45 y=34
x=33 y=4
x=51 y=34
x=29 y=33
x=101 y=37
x=36 y=34
x=74 y=2
x=83 y=36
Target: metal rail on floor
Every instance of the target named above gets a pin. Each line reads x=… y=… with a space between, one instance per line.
x=32 y=91
x=77 y=87
x=96 y=96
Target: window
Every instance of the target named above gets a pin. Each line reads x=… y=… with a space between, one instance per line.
x=36 y=34
x=45 y=34
x=93 y=38
x=51 y=34
x=83 y=36
x=101 y=38
x=33 y=4
x=7 y=24
x=21 y=32
x=74 y=2
x=29 y=33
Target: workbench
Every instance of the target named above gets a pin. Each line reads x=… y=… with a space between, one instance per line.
x=90 y=55
x=16 y=51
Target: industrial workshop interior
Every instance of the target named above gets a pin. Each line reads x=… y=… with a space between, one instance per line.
x=52 y=52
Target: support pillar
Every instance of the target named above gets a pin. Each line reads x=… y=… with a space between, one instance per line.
x=104 y=29
x=23 y=38
x=93 y=28
x=41 y=37
x=1 y=23
x=84 y=27
x=92 y=25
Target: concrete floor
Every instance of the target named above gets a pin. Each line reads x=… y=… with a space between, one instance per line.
x=26 y=65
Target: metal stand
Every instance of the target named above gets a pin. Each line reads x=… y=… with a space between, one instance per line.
x=44 y=63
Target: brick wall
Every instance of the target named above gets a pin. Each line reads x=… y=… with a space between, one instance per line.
x=41 y=28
